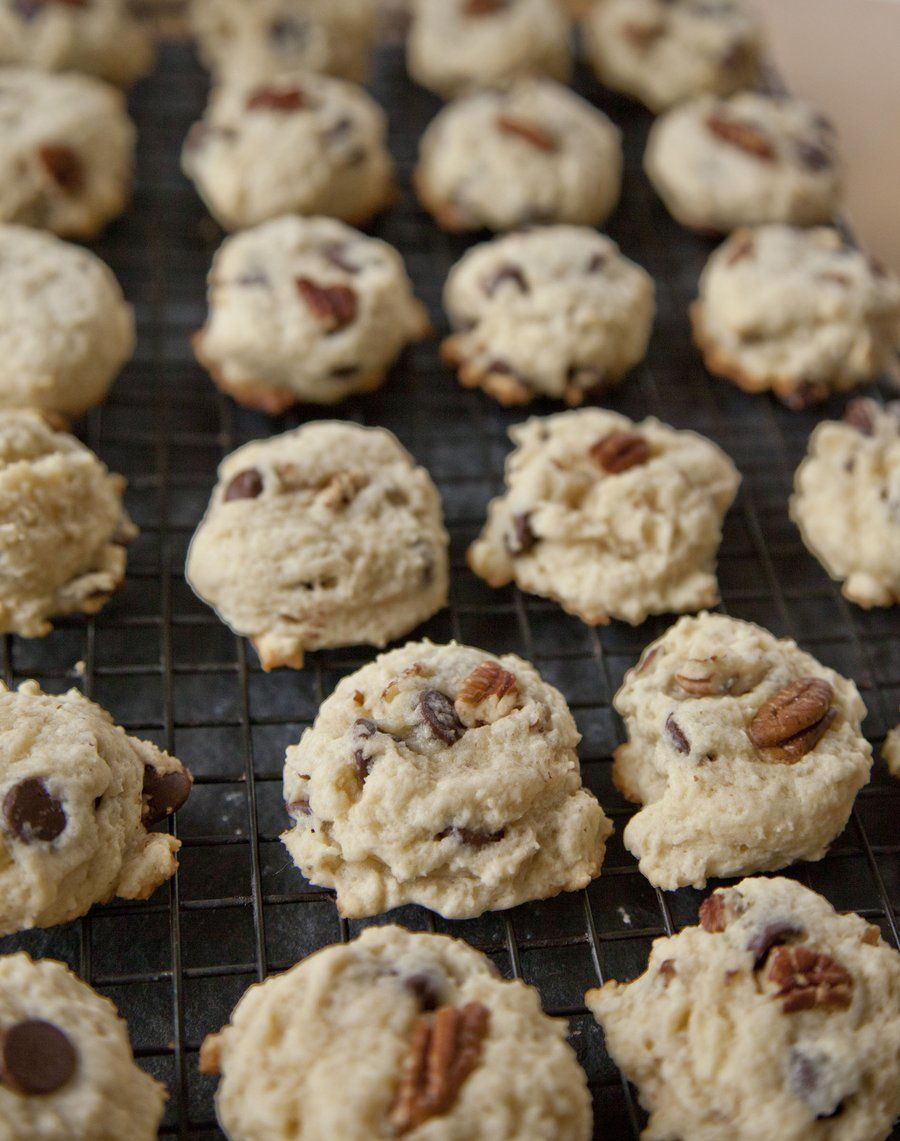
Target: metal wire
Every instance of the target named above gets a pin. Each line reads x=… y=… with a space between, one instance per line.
x=168 y=670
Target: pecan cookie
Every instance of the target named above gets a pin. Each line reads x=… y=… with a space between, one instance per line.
x=775 y=1017
x=305 y=309
x=459 y=44
x=798 y=312
x=665 y=51
x=249 y=42
x=722 y=163
x=65 y=329
x=300 y=144
x=77 y=796
x=66 y=152
x=67 y=1072
x=393 y=1035
x=63 y=528
x=745 y=752
x=846 y=501
x=329 y=535
x=555 y=311
x=534 y=152
x=609 y=518
x=97 y=37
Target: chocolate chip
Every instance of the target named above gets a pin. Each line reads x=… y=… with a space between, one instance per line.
x=37 y=1057
x=470 y=837
x=363 y=729
x=597 y=263
x=524 y=537
x=64 y=166
x=333 y=305
x=245 y=485
x=273 y=99
x=508 y=272
x=438 y=713
x=425 y=989
x=289 y=34
x=344 y=371
x=772 y=935
x=681 y=743
x=164 y=793
x=31 y=813
x=811 y=156
x=336 y=254
x=298 y=808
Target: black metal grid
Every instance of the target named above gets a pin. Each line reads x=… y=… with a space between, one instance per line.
x=170 y=671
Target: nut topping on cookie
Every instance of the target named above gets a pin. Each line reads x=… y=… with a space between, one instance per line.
x=36 y=1057
x=531 y=132
x=64 y=166
x=806 y=979
x=744 y=136
x=444 y=1049
x=273 y=99
x=245 y=485
x=620 y=451
x=333 y=305
x=32 y=814
x=793 y=721
x=488 y=693
x=439 y=715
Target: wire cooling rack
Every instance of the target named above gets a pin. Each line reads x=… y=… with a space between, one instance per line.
x=168 y=670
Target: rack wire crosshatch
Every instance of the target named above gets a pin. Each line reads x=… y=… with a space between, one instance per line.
x=167 y=669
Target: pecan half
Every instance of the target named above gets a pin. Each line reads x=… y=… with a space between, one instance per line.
x=805 y=979
x=620 y=451
x=532 y=133
x=444 y=1048
x=333 y=305
x=712 y=914
x=487 y=694
x=791 y=723
x=745 y=136
x=273 y=99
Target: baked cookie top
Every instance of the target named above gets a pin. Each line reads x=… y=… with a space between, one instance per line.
x=722 y=163
x=555 y=311
x=329 y=535
x=66 y=150
x=846 y=501
x=63 y=528
x=774 y=1017
x=610 y=518
x=68 y=1072
x=77 y=796
x=745 y=752
x=458 y=44
x=298 y=143
x=339 y=1046
x=305 y=309
x=533 y=152
x=443 y=776
x=665 y=51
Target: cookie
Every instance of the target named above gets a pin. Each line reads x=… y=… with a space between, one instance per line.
x=443 y=776
x=534 y=152
x=797 y=312
x=891 y=751
x=68 y=1073
x=63 y=528
x=719 y=164
x=65 y=328
x=665 y=51
x=77 y=796
x=396 y=1034
x=326 y=536
x=555 y=311
x=251 y=42
x=745 y=752
x=305 y=309
x=458 y=44
x=846 y=501
x=98 y=38
x=66 y=152
x=609 y=518
x=775 y=1017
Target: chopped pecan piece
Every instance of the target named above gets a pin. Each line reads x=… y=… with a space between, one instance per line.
x=667 y=971
x=444 y=1049
x=643 y=36
x=805 y=979
x=275 y=99
x=745 y=136
x=333 y=305
x=64 y=166
x=712 y=914
x=646 y=658
x=532 y=133
x=791 y=723
x=488 y=693
x=342 y=489
x=697 y=677
x=679 y=740
x=620 y=451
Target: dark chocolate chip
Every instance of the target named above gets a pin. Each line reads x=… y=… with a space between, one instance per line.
x=470 y=837
x=275 y=99
x=37 y=1057
x=813 y=157
x=32 y=814
x=298 y=808
x=437 y=712
x=857 y=414
x=164 y=793
x=772 y=935
x=64 y=166
x=524 y=537
x=679 y=740
x=425 y=990
x=289 y=34
x=245 y=485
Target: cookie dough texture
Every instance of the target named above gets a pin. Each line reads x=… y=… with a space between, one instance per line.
x=609 y=518
x=846 y=501
x=796 y=311
x=65 y=328
x=326 y=536
x=106 y=1097
x=458 y=44
x=249 y=42
x=719 y=164
x=63 y=528
x=322 y=1050
x=720 y=1053
x=77 y=795
x=66 y=152
x=98 y=38
x=442 y=776
x=298 y=144
x=714 y=802
x=891 y=751
x=305 y=309
x=555 y=311
x=665 y=51
x=534 y=152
